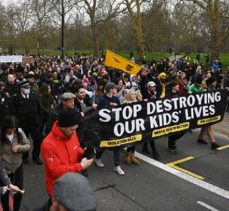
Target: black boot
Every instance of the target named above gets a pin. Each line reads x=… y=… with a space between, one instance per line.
x=145 y=149
x=155 y=154
x=172 y=145
x=37 y=161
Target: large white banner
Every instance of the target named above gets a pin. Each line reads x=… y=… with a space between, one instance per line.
x=11 y=58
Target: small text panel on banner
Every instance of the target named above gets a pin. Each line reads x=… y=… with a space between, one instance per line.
x=121 y=63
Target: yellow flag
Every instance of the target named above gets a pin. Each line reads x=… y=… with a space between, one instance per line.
x=121 y=63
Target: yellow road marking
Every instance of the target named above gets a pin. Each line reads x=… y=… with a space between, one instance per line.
x=182 y=160
x=175 y=163
x=223 y=147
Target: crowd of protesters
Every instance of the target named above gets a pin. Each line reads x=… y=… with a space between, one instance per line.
x=33 y=96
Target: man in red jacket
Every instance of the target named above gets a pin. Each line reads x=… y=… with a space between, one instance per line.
x=61 y=150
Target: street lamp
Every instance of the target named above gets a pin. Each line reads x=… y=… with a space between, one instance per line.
x=62 y=29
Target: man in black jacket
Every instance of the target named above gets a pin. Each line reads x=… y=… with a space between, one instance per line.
x=151 y=94
x=67 y=102
x=5 y=103
x=11 y=85
x=28 y=110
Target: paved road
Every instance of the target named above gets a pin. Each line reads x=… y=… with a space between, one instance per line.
x=154 y=185
x=223 y=126
x=148 y=187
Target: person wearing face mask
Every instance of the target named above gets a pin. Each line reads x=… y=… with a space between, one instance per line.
x=29 y=112
x=13 y=144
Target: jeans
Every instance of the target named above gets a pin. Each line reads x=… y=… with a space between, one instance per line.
x=116 y=153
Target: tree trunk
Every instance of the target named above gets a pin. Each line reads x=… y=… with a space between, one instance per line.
x=136 y=21
x=95 y=39
x=141 y=49
x=214 y=16
x=141 y=44
x=215 y=45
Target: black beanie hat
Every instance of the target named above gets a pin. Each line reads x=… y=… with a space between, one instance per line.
x=68 y=118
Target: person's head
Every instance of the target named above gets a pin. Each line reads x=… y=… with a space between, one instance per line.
x=31 y=77
x=80 y=92
x=101 y=84
x=73 y=192
x=120 y=82
x=131 y=95
x=11 y=79
x=68 y=100
x=179 y=74
x=151 y=86
x=111 y=88
x=24 y=87
x=143 y=72
x=173 y=86
x=208 y=74
x=55 y=75
x=199 y=69
x=162 y=76
x=45 y=89
x=9 y=128
x=68 y=121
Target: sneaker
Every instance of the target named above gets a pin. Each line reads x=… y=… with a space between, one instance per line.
x=99 y=163
x=118 y=170
x=201 y=141
x=214 y=146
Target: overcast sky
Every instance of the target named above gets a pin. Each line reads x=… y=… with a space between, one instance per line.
x=5 y=2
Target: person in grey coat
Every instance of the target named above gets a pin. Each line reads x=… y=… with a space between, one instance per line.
x=13 y=144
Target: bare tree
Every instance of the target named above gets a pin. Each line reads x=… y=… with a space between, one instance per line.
x=19 y=19
x=57 y=11
x=134 y=8
x=155 y=22
x=214 y=11
x=2 y=26
x=41 y=12
x=99 y=12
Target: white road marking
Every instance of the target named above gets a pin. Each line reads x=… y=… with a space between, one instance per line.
x=207 y=206
x=212 y=188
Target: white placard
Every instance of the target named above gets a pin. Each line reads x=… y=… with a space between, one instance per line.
x=11 y=58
